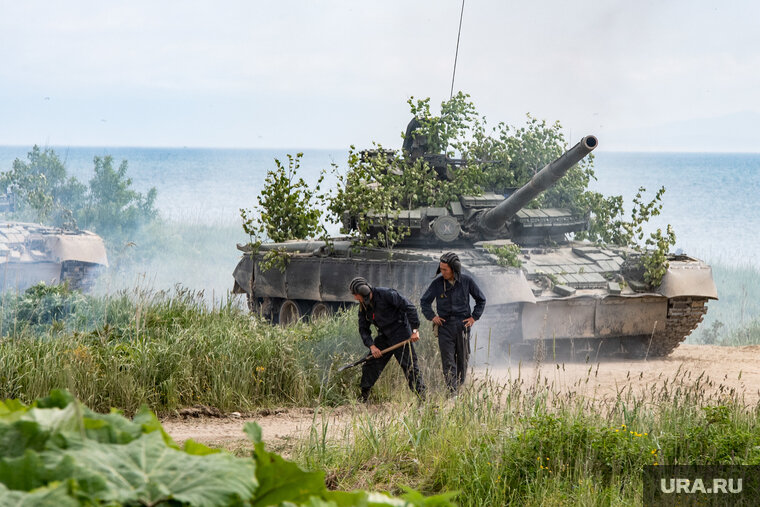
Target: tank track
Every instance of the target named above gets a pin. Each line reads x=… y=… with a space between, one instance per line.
x=684 y=315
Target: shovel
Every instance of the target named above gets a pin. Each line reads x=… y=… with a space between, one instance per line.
x=370 y=356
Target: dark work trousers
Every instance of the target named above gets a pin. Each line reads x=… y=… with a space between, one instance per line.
x=407 y=359
x=454 y=342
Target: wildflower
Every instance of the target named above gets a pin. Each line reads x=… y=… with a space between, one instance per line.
x=654 y=451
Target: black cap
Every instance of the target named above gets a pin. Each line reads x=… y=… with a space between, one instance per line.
x=359 y=286
x=453 y=261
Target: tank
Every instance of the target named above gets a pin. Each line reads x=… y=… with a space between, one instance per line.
x=33 y=253
x=568 y=295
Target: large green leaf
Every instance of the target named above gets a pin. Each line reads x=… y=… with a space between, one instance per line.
x=58 y=398
x=36 y=426
x=53 y=495
x=56 y=420
x=148 y=471
x=149 y=423
x=280 y=480
x=114 y=428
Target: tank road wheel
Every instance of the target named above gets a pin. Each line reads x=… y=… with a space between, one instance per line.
x=291 y=311
x=321 y=311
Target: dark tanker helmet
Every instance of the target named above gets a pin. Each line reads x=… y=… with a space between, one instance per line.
x=453 y=261
x=360 y=286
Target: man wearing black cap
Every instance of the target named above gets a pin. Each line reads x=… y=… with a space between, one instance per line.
x=395 y=318
x=451 y=291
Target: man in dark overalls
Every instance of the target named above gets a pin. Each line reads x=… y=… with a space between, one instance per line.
x=395 y=318
x=451 y=291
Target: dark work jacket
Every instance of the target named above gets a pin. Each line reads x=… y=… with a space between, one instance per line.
x=392 y=314
x=453 y=302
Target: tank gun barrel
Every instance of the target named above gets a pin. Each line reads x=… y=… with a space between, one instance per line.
x=494 y=218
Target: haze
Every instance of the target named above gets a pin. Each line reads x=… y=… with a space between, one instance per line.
x=674 y=75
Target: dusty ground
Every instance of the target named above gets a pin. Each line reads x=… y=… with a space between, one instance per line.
x=730 y=367
x=281 y=427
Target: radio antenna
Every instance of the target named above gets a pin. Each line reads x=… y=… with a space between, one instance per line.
x=456 y=55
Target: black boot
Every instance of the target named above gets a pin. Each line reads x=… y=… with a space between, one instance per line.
x=364 y=397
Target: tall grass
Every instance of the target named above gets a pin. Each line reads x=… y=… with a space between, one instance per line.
x=527 y=442
x=170 y=349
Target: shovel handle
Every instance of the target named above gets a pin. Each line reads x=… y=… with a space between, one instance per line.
x=394 y=347
x=370 y=356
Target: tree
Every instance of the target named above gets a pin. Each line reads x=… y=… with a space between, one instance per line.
x=113 y=208
x=42 y=188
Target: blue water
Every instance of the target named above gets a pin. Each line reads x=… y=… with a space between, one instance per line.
x=710 y=197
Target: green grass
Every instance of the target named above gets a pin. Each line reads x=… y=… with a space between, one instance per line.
x=525 y=443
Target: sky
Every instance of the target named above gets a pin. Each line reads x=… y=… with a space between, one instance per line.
x=666 y=75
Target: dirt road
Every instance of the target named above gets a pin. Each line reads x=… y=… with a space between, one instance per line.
x=730 y=367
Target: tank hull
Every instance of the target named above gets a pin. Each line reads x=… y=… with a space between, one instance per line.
x=570 y=295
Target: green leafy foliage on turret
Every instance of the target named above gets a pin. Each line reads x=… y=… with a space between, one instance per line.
x=380 y=184
x=494 y=159
x=288 y=208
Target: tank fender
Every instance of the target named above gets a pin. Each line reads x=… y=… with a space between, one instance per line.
x=688 y=278
x=242 y=275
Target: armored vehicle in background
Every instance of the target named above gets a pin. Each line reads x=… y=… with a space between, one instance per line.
x=575 y=295
x=34 y=253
